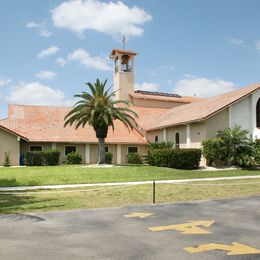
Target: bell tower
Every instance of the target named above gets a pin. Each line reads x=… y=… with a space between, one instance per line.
x=123 y=72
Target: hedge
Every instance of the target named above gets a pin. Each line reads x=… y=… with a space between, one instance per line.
x=40 y=158
x=175 y=158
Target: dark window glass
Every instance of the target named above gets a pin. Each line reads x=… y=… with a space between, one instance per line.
x=132 y=149
x=35 y=148
x=258 y=114
x=106 y=149
x=177 y=140
x=69 y=149
x=156 y=139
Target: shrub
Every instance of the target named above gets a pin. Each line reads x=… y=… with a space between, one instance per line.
x=162 y=145
x=134 y=158
x=213 y=150
x=256 y=146
x=52 y=157
x=40 y=158
x=175 y=158
x=108 y=157
x=36 y=158
x=74 y=158
x=7 y=159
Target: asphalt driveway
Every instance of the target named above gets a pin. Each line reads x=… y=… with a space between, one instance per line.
x=220 y=229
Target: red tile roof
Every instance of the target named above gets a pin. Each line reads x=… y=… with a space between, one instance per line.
x=45 y=124
x=201 y=110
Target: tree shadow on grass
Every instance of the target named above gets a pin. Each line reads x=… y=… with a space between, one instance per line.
x=13 y=203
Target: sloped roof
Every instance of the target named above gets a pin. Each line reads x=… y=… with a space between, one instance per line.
x=180 y=99
x=45 y=124
x=12 y=132
x=201 y=110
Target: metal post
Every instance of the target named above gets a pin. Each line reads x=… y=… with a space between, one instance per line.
x=153 y=191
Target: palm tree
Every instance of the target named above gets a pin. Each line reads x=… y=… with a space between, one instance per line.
x=233 y=139
x=99 y=110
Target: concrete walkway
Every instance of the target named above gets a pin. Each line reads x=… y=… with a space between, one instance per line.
x=22 y=188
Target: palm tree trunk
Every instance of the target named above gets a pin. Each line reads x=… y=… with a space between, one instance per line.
x=101 y=150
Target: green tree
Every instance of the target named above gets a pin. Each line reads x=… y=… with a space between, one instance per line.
x=99 y=109
x=234 y=140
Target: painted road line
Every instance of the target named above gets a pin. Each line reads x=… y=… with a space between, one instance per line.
x=191 y=228
x=139 y=215
x=234 y=249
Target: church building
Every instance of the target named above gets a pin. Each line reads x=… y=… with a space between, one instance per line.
x=185 y=120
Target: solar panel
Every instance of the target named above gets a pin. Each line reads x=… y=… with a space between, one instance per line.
x=154 y=93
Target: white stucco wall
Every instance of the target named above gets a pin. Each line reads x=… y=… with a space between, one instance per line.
x=243 y=113
x=255 y=98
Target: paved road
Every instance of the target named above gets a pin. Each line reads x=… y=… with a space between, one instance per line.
x=108 y=234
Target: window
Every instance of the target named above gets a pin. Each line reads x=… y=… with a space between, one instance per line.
x=156 y=139
x=35 y=148
x=69 y=149
x=177 y=140
x=132 y=149
x=106 y=149
x=258 y=114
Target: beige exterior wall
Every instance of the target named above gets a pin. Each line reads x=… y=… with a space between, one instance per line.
x=25 y=147
x=9 y=143
x=142 y=150
x=93 y=153
x=123 y=84
x=171 y=131
x=217 y=122
x=155 y=103
x=150 y=136
x=198 y=134
x=80 y=148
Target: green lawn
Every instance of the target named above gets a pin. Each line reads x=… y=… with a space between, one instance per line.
x=96 y=197
x=29 y=176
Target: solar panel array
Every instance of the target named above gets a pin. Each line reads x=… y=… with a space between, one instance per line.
x=154 y=93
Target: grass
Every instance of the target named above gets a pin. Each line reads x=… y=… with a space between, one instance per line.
x=96 y=197
x=30 y=176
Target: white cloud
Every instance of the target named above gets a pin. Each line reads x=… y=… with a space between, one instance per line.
x=60 y=61
x=4 y=81
x=40 y=28
x=48 y=52
x=112 y=18
x=236 y=41
x=147 y=86
x=257 y=44
x=35 y=93
x=84 y=58
x=46 y=74
x=202 y=87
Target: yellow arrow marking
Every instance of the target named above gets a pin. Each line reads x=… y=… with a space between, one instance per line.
x=234 y=249
x=187 y=228
x=138 y=215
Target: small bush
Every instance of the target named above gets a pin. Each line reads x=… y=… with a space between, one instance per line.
x=213 y=150
x=52 y=157
x=134 y=158
x=175 y=158
x=41 y=158
x=7 y=160
x=74 y=158
x=108 y=158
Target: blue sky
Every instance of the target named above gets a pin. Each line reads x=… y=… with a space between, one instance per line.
x=49 y=48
